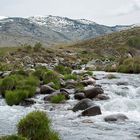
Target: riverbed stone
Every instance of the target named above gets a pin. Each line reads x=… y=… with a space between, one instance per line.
x=115 y=117
x=45 y=89
x=89 y=81
x=27 y=102
x=83 y=104
x=92 y=92
x=102 y=97
x=92 y=111
x=79 y=96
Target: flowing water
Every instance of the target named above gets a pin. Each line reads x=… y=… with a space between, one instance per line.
x=124 y=93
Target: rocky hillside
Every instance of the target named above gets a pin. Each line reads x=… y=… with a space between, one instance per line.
x=50 y=30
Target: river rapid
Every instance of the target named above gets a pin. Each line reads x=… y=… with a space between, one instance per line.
x=124 y=93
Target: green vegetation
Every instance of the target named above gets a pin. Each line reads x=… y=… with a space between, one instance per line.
x=63 y=69
x=52 y=76
x=15 y=97
x=37 y=126
x=16 y=88
x=12 y=137
x=134 y=42
x=38 y=47
x=130 y=65
x=70 y=76
x=58 y=98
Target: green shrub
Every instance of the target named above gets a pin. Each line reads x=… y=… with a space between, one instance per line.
x=134 y=42
x=58 y=98
x=9 y=83
x=70 y=76
x=130 y=65
x=79 y=87
x=15 y=97
x=39 y=72
x=36 y=126
x=38 y=47
x=52 y=76
x=90 y=73
x=63 y=69
x=12 y=137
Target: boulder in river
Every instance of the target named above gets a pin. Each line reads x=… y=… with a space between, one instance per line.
x=45 y=89
x=92 y=111
x=27 y=102
x=92 y=92
x=83 y=104
x=79 y=96
x=58 y=92
x=115 y=117
x=102 y=97
x=89 y=81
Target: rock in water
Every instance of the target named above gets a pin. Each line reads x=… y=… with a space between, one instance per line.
x=83 y=104
x=92 y=111
x=115 y=117
x=79 y=96
x=92 y=92
x=45 y=89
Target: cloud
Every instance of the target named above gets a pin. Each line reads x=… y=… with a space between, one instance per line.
x=131 y=7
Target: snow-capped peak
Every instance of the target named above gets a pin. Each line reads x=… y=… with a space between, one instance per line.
x=3 y=17
x=57 y=21
x=84 y=21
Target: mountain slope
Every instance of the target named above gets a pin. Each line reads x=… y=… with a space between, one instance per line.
x=50 y=30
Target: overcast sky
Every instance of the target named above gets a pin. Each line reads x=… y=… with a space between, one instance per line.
x=108 y=12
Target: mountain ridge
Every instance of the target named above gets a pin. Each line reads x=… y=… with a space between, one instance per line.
x=50 y=30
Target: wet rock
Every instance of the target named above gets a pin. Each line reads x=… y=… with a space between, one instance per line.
x=62 y=83
x=6 y=73
x=92 y=92
x=122 y=83
x=87 y=121
x=79 y=72
x=71 y=82
x=92 y=111
x=111 y=76
x=89 y=81
x=102 y=97
x=58 y=92
x=79 y=96
x=83 y=104
x=115 y=117
x=45 y=89
x=51 y=84
x=27 y=102
x=37 y=91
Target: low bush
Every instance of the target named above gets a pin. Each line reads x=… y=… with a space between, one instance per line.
x=37 y=126
x=39 y=72
x=9 y=83
x=12 y=137
x=58 y=98
x=63 y=69
x=15 y=97
x=70 y=76
x=52 y=76
x=130 y=65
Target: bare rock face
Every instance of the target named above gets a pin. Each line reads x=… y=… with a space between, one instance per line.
x=92 y=92
x=92 y=111
x=83 y=104
x=115 y=117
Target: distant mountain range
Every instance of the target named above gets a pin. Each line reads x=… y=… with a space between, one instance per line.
x=50 y=30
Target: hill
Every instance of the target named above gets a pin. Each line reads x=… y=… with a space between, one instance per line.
x=50 y=30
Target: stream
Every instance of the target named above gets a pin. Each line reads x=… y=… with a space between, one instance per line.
x=124 y=93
